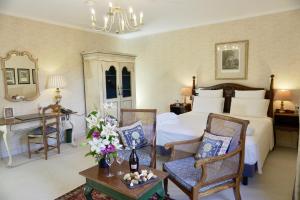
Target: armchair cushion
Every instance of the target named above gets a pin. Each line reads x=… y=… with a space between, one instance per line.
x=133 y=132
x=212 y=145
x=184 y=172
x=144 y=155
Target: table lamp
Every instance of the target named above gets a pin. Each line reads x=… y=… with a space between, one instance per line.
x=58 y=82
x=186 y=92
x=283 y=95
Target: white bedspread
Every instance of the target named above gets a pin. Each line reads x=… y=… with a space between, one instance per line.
x=259 y=139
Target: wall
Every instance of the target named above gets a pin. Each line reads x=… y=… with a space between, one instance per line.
x=167 y=61
x=58 y=51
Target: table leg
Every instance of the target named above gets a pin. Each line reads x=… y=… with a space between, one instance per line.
x=4 y=130
x=88 y=192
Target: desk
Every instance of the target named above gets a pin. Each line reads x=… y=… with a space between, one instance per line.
x=4 y=123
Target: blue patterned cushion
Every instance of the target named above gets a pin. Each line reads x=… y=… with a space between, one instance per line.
x=187 y=175
x=49 y=130
x=213 y=145
x=144 y=155
x=133 y=132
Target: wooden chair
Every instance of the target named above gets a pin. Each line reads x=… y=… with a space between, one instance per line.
x=147 y=154
x=203 y=177
x=49 y=129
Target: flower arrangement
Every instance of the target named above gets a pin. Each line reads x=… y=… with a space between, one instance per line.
x=102 y=134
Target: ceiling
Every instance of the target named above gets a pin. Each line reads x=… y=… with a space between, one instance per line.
x=160 y=15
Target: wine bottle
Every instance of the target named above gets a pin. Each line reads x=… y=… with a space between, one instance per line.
x=133 y=160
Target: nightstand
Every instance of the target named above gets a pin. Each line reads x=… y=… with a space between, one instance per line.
x=286 y=121
x=180 y=108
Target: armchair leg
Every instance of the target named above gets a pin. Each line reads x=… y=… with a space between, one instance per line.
x=166 y=185
x=195 y=194
x=58 y=143
x=236 y=190
x=28 y=146
x=46 y=148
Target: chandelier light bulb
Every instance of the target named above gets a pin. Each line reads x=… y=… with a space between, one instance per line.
x=141 y=17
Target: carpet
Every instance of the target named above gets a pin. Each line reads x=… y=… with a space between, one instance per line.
x=77 y=194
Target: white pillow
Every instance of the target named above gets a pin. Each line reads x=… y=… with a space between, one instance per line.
x=249 y=107
x=249 y=94
x=209 y=93
x=208 y=105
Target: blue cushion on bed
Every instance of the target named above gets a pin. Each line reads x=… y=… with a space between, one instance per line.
x=134 y=132
x=212 y=145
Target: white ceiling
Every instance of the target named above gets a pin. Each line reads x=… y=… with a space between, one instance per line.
x=160 y=15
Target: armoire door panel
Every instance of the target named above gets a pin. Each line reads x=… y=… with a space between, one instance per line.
x=126 y=104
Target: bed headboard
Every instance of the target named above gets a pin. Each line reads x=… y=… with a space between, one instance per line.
x=229 y=88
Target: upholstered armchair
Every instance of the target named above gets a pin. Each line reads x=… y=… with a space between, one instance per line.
x=147 y=117
x=201 y=177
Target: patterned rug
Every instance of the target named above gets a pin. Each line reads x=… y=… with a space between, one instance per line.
x=77 y=194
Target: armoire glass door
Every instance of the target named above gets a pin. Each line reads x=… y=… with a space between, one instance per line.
x=126 y=82
x=111 y=83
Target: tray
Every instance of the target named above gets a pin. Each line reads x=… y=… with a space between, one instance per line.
x=140 y=184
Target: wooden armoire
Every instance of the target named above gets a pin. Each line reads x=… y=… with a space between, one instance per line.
x=109 y=78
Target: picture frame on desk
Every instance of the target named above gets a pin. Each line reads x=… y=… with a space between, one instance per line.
x=8 y=112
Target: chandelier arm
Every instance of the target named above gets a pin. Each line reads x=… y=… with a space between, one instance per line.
x=119 y=22
x=130 y=27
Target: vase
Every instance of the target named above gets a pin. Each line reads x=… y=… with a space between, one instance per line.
x=102 y=163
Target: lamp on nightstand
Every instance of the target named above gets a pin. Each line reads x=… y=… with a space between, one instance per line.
x=283 y=95
x=58 y=82
x=186 y=92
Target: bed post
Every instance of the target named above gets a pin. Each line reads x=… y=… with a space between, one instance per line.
x=270 y=111
x=194 y=86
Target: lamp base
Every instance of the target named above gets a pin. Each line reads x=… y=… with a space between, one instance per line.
x=281 y=110
x=57 y=97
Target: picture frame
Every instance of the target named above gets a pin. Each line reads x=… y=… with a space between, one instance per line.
x=8 y=113
x=33 y=76
x=10 y=76
x=23 y=76
x=231 y=60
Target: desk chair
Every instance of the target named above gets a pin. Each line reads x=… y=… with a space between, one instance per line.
x=49 y=129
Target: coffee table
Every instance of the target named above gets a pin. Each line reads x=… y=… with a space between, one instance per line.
x=115 y=188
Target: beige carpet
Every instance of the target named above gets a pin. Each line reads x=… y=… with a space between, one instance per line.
x=38 y=179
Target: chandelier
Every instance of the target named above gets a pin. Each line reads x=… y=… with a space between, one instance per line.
x=116 y=20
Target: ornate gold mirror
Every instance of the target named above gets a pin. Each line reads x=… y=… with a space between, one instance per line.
x=20 y=76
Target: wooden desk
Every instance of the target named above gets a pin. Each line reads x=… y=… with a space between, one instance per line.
x=115 y=188
x=4 y=123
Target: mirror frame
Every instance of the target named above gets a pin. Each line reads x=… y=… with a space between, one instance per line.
x=32 y=59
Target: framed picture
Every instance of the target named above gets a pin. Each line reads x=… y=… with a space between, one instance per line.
x=23 y=76
x=33 y=76
x=8 y=113
x=231 y=60
x=10 y=76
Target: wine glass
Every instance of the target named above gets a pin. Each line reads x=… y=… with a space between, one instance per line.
x=109 y=160
x=120 y=159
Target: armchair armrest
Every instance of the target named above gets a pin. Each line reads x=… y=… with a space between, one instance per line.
x=203 y=162
x=172 y=145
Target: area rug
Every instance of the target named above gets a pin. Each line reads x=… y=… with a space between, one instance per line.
x=77 y=194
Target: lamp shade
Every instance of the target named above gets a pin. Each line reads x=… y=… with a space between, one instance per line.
x=56 y=81
x=283 y=95
x=186 y=91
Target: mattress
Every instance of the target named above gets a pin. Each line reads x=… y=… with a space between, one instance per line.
x=190 y=125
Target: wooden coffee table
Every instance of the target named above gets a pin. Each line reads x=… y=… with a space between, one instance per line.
x=115 y=188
